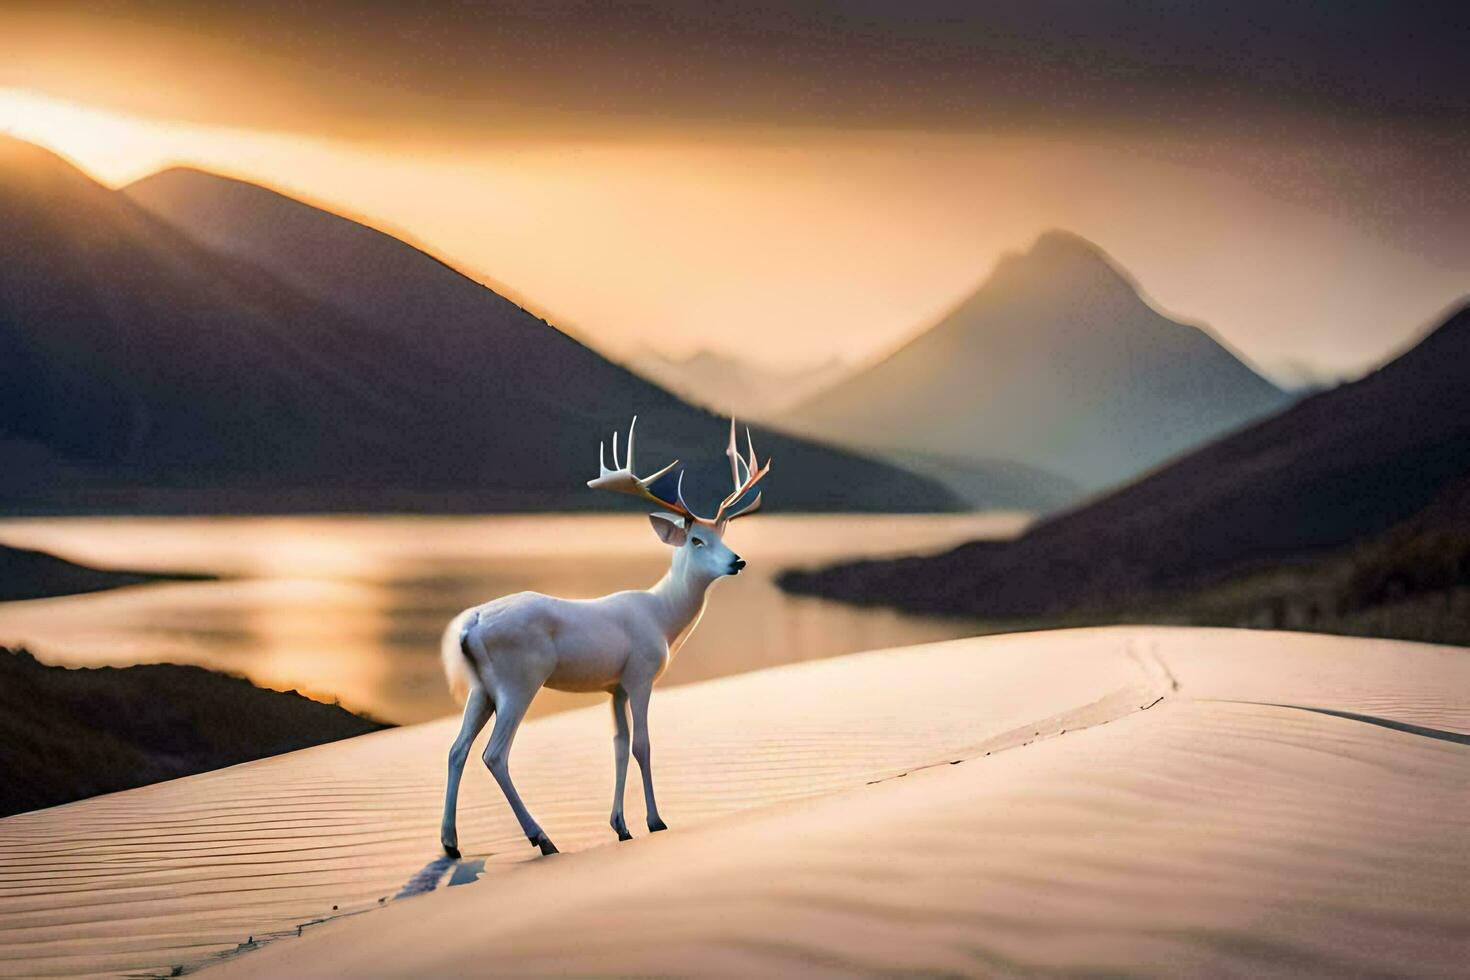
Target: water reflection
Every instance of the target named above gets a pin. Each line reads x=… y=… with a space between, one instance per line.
x=350 y=608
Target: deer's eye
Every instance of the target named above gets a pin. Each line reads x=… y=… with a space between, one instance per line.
x=698 y=543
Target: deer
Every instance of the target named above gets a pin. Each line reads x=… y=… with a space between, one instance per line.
x=498 y=655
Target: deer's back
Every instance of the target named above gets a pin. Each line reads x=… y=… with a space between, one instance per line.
x=567 y=644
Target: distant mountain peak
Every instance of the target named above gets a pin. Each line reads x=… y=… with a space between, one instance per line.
x=184 y=173
x=1061 y=260
x=211 y=190
x=185 y=176
x=1060 y=240
x=1057 y=361
x=178 y=171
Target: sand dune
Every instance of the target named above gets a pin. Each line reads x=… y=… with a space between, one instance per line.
x=1127 y=799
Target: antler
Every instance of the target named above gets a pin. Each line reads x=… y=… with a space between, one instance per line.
x=754 y=473
x=622 y=479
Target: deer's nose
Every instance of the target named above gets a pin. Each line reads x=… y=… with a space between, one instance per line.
x=737 y=563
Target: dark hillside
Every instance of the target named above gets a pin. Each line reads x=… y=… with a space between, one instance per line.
x=66 y=734
x=1332 y=472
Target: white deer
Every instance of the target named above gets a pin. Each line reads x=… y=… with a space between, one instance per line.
x=503 y=652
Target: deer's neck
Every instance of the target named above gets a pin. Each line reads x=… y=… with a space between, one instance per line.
x=680 y=604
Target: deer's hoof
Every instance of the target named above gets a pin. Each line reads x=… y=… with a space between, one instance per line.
x=624 y=835
x=654 y=826
x=452 y=851
x=544 y=842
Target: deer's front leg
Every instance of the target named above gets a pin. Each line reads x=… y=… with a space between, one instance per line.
x=620 y=761
x=642 y=751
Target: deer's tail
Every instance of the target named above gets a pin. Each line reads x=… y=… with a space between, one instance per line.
x=458 y=669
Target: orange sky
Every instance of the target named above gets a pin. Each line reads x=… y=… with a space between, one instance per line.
x=1302 y=244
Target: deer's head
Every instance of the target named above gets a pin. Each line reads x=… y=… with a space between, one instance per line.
x=699 y=542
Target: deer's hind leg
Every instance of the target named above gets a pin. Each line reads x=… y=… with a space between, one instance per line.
x=477 y=710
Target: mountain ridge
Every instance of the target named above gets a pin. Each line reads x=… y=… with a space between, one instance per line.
x=160 y=373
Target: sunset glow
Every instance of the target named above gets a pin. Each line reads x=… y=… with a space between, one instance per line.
x=114 y=147
x=791 y=248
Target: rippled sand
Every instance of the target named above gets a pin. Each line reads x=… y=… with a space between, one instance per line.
x=1117 y=800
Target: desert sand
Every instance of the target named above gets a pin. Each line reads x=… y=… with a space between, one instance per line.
x=1141 y=800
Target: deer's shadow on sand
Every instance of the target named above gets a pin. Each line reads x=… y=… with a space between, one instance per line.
x=433 y=874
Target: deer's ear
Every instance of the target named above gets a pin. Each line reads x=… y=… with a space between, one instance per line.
x=669 y=528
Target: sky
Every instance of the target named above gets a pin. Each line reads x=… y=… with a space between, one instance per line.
x=787 y=182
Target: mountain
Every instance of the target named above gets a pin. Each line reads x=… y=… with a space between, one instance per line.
x=730 y=385
x=311 y=364
x=1055 y=362
x=1363 y=486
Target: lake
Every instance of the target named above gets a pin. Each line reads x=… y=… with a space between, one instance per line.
x=351 y=608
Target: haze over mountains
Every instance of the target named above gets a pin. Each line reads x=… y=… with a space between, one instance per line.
x=254 y=353
x=1375 y=473
x=1057 y=363
x=729 y=384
